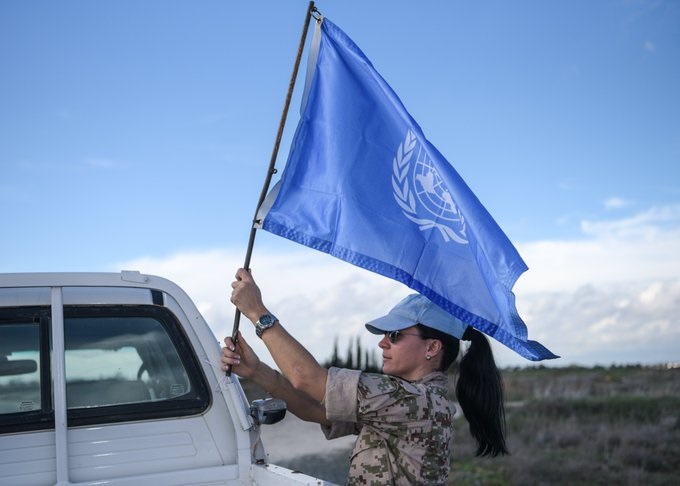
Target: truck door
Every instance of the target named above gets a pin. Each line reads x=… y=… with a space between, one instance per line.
x=92 y=392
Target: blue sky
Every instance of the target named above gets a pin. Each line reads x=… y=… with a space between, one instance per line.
x=136 y=135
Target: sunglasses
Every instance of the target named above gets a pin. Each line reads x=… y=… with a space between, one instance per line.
x=393 y=336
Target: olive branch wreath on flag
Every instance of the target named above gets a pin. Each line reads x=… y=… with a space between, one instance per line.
x=405 y=198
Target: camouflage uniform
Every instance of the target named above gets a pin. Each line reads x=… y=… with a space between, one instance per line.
x=404 y=428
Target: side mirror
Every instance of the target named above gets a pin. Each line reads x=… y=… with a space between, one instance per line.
x=268 y=410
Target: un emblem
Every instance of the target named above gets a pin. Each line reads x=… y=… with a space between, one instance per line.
x=422 y=195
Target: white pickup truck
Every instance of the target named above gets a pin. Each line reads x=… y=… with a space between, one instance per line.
x=114 y=379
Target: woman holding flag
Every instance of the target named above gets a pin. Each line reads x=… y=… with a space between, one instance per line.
x=402 y=417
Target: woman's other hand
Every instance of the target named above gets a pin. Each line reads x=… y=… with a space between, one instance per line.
x=239 y=356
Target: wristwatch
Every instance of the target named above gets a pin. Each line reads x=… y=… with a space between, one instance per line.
x=263 y=323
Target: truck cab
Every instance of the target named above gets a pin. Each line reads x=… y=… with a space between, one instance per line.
x=115 y=379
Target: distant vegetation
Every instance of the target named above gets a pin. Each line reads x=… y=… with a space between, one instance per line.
x=356 y=358
x=572 y=426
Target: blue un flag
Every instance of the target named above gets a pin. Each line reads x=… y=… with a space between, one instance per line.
x=363 y=184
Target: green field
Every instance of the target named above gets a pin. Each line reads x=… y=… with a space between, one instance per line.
x=573 y=426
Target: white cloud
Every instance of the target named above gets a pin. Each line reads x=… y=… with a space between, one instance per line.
x=615 y=203
x=650 y=46
x=611 y=297
x=644 y=224
x=632 y=322
x=641 y=247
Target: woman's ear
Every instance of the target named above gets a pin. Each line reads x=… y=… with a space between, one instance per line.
x=434 y=347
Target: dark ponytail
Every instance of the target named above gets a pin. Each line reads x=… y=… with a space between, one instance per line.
x=480 y=394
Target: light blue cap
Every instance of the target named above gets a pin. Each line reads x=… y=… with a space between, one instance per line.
x=416 y=309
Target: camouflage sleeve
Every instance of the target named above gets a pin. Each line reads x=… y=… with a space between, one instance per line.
x=340 y=429
x=340 y=399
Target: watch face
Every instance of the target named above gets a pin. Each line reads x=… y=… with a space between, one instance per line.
x=264 y=322
x=267 y=320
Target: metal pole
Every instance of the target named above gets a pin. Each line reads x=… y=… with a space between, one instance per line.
x=272 y=170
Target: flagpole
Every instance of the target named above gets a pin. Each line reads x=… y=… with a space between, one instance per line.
x=272 y=170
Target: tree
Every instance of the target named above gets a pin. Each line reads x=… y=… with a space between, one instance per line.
x=356 y=358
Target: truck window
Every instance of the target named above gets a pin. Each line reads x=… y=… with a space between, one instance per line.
x=25 y=398
x=19 y=367
x=128 y=362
